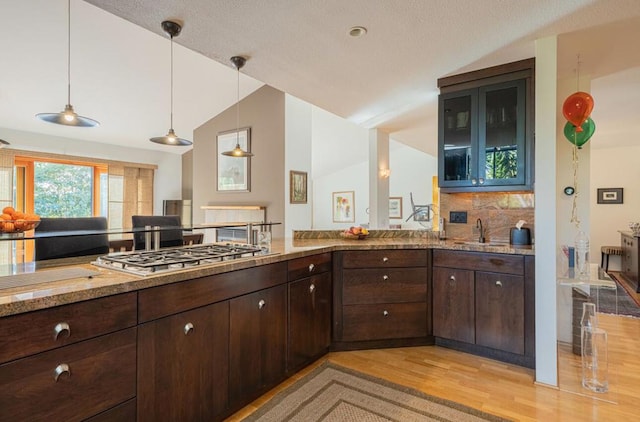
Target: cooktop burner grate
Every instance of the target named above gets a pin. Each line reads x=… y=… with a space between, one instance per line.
x=173 y=259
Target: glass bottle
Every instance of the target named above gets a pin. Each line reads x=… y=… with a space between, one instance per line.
x=594 y=351
x=582 y=255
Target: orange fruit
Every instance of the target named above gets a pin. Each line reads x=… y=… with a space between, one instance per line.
x=5 y=217
x=30 y=217
x=8 y=210
x=20 y=224
x=8 y=226
x=18 y=215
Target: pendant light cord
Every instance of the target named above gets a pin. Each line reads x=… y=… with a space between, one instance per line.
x=238 y=109
x=171 y=119
x=69 y=52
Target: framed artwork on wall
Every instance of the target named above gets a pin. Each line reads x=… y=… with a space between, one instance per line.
x=395 y=207
x=234 y=173
x=610 y=195
x=297 y=187
x=343 y=207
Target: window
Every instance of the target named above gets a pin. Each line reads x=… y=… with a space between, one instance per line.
x=54 y=185
x=57 y=188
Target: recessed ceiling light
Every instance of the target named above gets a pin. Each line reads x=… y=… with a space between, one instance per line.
x=357 y=31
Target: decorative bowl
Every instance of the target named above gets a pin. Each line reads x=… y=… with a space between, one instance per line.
x=18 y=226
x=635 y=228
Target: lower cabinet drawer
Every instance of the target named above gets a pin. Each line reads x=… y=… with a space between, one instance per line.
x=71 y=383
x=384 y=321
x=389 y=285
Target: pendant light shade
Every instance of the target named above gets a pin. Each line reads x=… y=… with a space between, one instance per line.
x=68 y=117
x=173 y=30
x=238 y=63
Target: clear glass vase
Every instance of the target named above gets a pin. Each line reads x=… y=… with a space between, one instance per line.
x=594 y=351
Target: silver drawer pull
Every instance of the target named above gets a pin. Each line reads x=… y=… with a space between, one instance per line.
x=385 y=259
x=385 y=277
x=312 y=288
x=261 y=304
x=385 y=313
x=63 y=368
x=60 y=328
x=452 y=278
x=499 y=283
x=311 y=267
x=188 y=328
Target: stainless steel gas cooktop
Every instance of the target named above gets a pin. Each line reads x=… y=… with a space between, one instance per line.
x=174 y=259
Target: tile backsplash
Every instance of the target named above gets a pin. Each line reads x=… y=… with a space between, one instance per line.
x=499 y=212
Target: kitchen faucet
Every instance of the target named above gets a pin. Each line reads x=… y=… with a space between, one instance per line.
x=480 y=231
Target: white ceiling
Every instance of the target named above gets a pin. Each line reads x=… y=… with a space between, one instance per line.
x=386 y=79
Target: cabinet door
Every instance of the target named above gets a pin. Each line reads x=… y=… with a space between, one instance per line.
x=501 y=134
x=453 y=304
x=70 y=383
x=309 y=319
x=500 y=311
x=183 y=365
x=257 y=342
x=457 y=134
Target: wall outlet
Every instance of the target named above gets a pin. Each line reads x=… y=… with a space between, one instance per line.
x=459 y=217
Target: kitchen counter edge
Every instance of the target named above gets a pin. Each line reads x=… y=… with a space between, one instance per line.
x=108 y=282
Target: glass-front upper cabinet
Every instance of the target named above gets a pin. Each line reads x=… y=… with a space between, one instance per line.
x=485 y=131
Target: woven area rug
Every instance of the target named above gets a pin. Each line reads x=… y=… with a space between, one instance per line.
x=627 y=305
x=334 y=393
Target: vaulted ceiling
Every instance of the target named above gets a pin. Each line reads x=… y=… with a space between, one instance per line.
x=385 y=79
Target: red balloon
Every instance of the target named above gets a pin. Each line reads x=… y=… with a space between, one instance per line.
x=577 y=108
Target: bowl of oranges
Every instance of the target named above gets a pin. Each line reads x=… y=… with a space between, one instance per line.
x=357 y=233
x=12 y=221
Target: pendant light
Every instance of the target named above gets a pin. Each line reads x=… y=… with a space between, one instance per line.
x=173 y=30
x=238 y=62
x=68 y=117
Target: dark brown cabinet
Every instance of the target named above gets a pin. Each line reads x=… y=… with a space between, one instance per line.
x=630 y=259
x=70 y=362
x=499 y=309
x=485 y=129
x=483 y=303
x=381 y=295
x=454 y=304
x=183 y=365
x=310 y=293
x=257 y=342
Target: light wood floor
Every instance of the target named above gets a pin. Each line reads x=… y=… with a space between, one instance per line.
x=506 y=390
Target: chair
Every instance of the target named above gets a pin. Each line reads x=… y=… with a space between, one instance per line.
x=71 y=246
x=605 y=252
x=121 y=245
x=170 y=235
x=193 y=238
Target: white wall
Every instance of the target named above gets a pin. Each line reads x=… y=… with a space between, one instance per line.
x=297 y=156
x=613 y=168
x=411 y=172
x=353 y=178
x=168 y=176
x=545 y=212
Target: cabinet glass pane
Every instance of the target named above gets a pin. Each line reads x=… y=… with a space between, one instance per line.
x=501 y=141
x=458 y=160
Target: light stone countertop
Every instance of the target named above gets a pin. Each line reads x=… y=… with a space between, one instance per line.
x=108 y=282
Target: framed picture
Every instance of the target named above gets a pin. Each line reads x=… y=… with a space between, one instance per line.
x=234 y=173
x=298 y=187
x=610 y=196
x=343 y=207
x=395 y=207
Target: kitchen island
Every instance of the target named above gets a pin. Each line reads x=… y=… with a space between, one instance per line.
x=242 y=323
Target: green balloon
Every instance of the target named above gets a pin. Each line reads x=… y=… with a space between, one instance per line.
x=580 y=138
